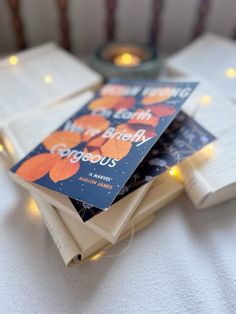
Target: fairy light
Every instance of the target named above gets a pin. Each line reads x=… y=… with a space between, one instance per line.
x=208 y=150
x=13 y=60
x=205 y=100
x=32 y=208
x=4 y=152
x=230 y=73
x=96 y=257
x=48 y=79
x=175 y=172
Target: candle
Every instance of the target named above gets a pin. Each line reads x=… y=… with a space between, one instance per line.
x=127 y=59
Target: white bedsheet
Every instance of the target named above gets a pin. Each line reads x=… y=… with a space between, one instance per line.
x=185 y=262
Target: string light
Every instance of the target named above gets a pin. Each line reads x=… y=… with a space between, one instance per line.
x=230 y=73
x=4 y=154
x=48 y=79
x=96 y=257
x=208 y=150
x=175 y=172
x=32 y=208
x=13 y=60
x=205 y=100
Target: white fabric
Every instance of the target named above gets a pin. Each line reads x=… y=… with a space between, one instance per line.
x=185 y=262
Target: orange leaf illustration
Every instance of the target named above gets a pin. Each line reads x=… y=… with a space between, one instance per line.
x=163 y=94
x=97 y=141
x=70 y=139
x=133 y=128
x=92 y=125
x=93 y=151
x=125 y=128
x=162 y=110
x=151 y=121
x=37 y=166
x=115 y=148
x=63 y=169
x=112 y=102
x=124 y=103
x=106 y=102
x=150 y=130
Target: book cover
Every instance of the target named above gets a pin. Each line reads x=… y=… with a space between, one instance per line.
x=94 y=153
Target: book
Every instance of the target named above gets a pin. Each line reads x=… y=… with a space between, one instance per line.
x=21 y=135
x=102 y=144
x=74 y=240
x=185 y=135
x=210 y=176
x=41 y=76
x=78 y=243
x=211 y=57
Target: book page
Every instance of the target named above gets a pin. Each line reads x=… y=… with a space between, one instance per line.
x=214 y=168
x=30 y=129
x=220 y=168
x=209 y=107
x=201 y=57
x=38 y=77
x=211 y=180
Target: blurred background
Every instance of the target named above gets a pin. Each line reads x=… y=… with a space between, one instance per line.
x=83 y=25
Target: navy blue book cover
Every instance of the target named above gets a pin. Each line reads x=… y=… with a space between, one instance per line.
x=93 y=154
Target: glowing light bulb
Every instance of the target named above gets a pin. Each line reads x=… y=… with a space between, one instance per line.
x=205 y=100
x=13 y=60
x=230 y=73
x=97 y=256
x=48 y=79
x=1 y=148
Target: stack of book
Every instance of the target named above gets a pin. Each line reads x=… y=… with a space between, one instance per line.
x=99 y=165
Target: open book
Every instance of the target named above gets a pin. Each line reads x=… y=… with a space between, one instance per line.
x=210 y=176
x=75 y=241
x=41 y=76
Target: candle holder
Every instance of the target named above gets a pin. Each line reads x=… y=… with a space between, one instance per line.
x=126 y=61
